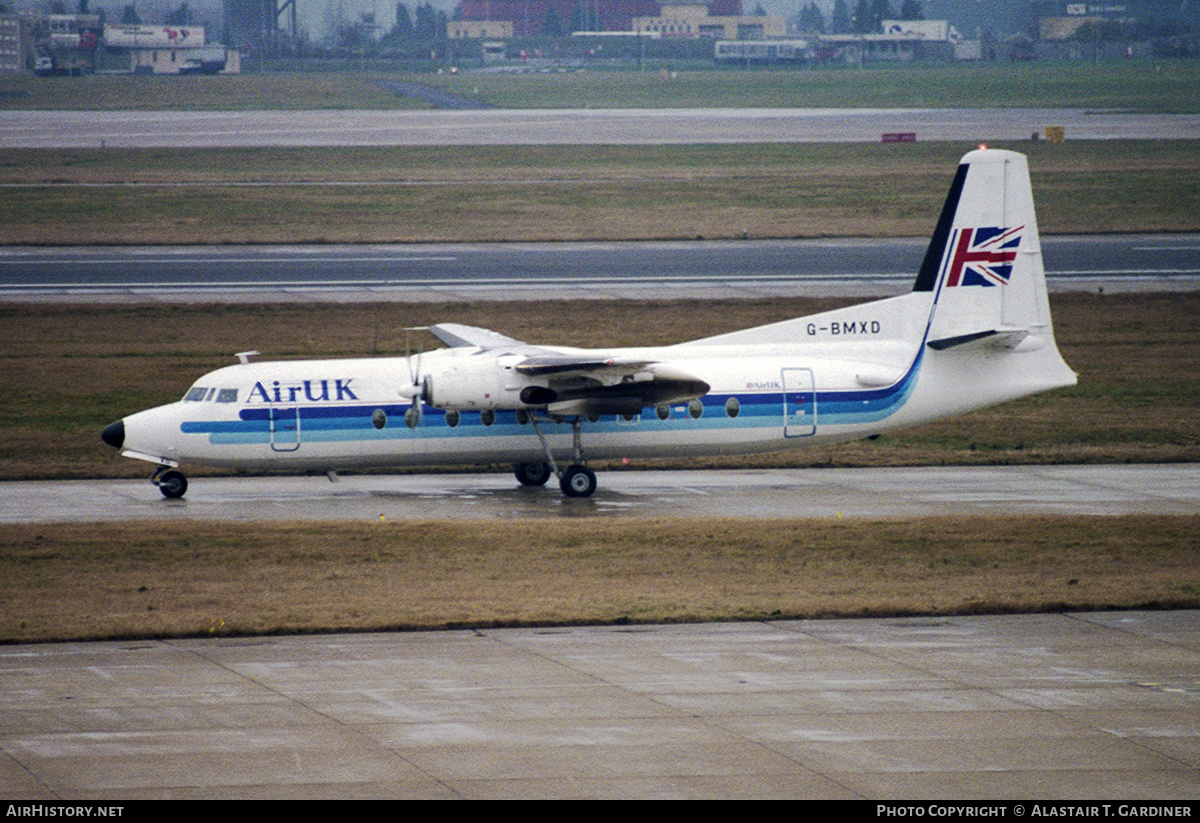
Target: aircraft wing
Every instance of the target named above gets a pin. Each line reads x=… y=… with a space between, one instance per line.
x=456 y=335
x=556 y=364
x=584 y=382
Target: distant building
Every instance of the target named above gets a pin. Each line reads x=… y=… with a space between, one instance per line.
x=153 y=37
x=61 y=44
x=898 y=41
x=478 y=29
x=16 y=44
x=535 y=18
x=696 y=20
x=1071 y=30
x=170 y=50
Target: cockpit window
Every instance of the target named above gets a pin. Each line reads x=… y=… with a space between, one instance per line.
x=197 y=394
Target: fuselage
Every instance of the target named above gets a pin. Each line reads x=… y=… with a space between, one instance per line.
x=343 y=414
x=350 y=413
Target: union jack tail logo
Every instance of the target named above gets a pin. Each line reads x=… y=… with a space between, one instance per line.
x=983 y=256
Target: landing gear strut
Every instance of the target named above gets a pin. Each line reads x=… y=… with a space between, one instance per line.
x=577 y=480
x=173 y=484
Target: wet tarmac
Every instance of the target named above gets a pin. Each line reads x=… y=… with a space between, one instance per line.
x=779 y=493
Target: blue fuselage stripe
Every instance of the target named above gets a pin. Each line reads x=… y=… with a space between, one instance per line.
x=332 y=423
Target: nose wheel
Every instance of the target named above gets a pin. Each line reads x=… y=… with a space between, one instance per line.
x=173 y=484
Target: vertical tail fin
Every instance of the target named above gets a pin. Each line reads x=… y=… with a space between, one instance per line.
x=989 y=327
x=981 y=291
x=984 y=262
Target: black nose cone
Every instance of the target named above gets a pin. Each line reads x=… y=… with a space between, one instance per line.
x=114 y=434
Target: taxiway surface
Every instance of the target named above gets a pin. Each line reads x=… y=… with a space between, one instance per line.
x=779 y=493
x=1030 y=707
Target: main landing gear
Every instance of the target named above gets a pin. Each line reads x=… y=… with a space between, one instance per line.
x=172 y=483
x=532 y=474
x=576 y=480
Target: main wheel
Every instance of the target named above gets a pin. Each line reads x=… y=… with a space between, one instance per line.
x=172 y=484
x=532 y=474
x=578 y=481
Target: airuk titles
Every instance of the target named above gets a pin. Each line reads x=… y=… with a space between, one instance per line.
x=314 y=391
x=845 y=328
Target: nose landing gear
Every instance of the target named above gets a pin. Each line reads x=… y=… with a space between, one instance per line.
x=173 y=484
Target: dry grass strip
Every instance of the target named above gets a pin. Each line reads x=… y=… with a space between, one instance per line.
x=66 y=581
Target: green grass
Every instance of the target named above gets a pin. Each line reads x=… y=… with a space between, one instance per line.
x=1133 y=85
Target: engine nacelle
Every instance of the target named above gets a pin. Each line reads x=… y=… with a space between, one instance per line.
x=474 y=386
x=478 y=382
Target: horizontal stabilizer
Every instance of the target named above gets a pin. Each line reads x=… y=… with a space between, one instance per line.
x=997 y=338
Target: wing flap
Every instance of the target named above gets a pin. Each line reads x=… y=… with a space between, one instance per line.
x=606 y=386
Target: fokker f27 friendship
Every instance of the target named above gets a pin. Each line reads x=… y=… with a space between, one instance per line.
x=974 y=331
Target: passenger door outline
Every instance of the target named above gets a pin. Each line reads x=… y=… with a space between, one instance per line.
x=285 y=429
x=799 y=403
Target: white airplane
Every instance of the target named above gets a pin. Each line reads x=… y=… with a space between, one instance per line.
x=974 y=331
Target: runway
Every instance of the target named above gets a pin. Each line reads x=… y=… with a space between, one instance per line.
x=793 y=493
x=201 y=129
x=1054 y=707
x=863 y=267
